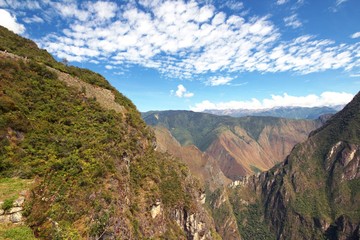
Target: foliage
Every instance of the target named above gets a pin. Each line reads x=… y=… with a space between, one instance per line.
x=86 y=159
x=10 y=232
x=250 y=219
x=8 y=203
x=51 y=131
x=11 y=187
x=165 y=171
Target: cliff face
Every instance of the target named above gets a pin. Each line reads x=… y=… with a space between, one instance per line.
x=96 y=173
x=206 y=169
x=315 y=193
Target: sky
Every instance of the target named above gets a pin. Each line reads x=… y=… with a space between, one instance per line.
x=206 y=54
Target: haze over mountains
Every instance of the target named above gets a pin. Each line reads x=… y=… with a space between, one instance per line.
x=283 y=112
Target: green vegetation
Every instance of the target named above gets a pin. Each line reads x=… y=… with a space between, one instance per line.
x=93 y=167
x=8 y=203
x=315 y=187
x=11 y=187
x=11 y=232
x=255 y=169
x=249 y=217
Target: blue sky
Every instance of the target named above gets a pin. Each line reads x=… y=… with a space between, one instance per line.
x=198 y=55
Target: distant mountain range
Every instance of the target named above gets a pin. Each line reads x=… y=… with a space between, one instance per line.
x=240 y=146
x=283 y=112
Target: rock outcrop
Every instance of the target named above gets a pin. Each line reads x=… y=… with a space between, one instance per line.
x=14 y=213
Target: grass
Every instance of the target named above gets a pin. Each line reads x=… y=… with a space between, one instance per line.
x=11 y=187
x=15 y=232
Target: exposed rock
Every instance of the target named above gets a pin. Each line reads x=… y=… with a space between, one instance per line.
x=4 y=218
x=16 y=217
x=193 y=224
x=103 y=96
x=15 y=209
x=156 y=209
x=19 y=202
x=202 y=198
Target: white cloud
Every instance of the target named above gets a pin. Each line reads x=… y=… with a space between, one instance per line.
x=33 y=19
x=23 y=4
x=337 y=5
x=292 y=21
x=184 y=39
x=109 y=67
x=217 y=81
x=182 y=92
x=10 y=22
x=285 y=100
x=234 y=4
x=355 y=75
x=355 y=35
x=281 y=2
x=339 y=2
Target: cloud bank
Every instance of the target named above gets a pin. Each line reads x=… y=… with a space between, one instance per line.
x=182 y=39
x=9 y=21
x=285 y=100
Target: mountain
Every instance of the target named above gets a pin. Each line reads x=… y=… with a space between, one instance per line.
x=282 y=112
x=207 y=170
x=314 y=193
x=241 y=146
x=89 y=156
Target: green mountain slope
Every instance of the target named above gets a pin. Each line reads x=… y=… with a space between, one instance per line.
x=315 y=193
x=91 y=155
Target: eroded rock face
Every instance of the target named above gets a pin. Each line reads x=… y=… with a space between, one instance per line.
x=194 y=224
x=344 y=157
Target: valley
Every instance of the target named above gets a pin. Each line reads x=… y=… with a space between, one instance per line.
x=79 y=161
x=240 y=146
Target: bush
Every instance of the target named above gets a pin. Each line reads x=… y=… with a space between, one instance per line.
x=8 y=203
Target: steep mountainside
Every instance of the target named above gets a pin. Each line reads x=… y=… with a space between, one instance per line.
x=283 y=112
x=241 y=146
x=92 y=157
x=201 y=165
x=315 y=193
x=205 y=168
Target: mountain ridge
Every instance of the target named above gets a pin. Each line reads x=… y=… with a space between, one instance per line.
x=282 y=112
x=314 y=194
x=240 y=145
